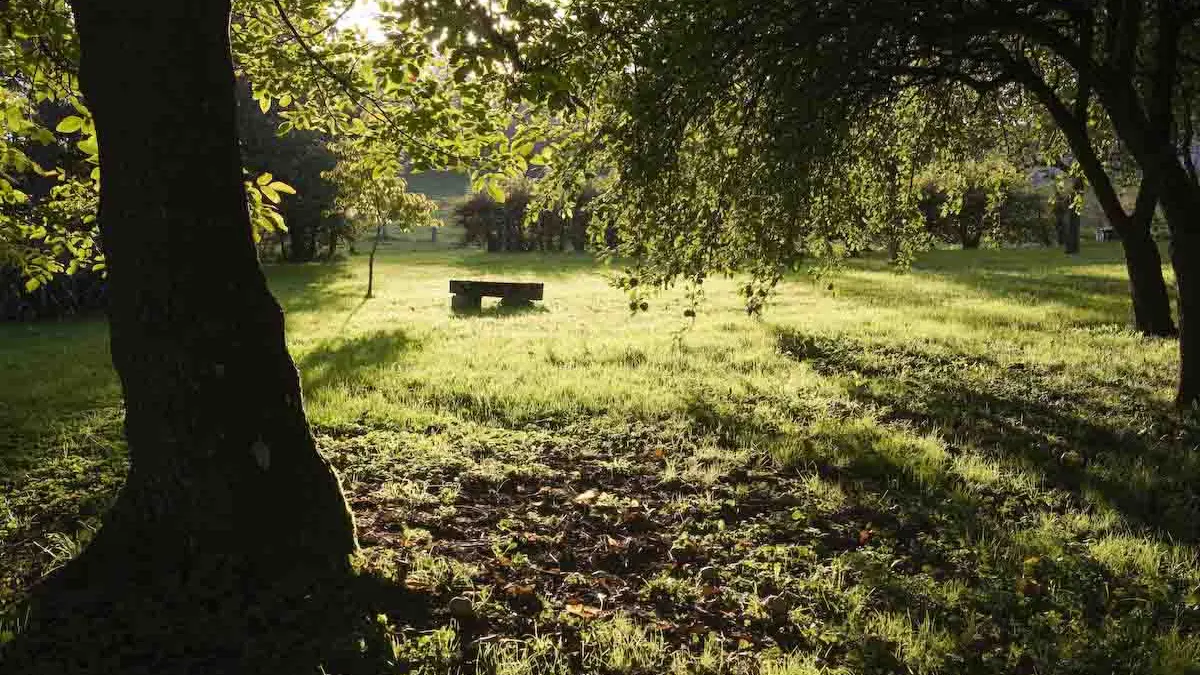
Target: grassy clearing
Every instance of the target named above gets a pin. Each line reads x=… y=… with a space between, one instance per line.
x=972 y=467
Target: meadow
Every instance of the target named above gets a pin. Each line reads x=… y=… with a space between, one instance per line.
x=970 y=467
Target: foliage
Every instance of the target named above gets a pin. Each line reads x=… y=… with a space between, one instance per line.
x=746 y=137
x=510 y=226
x=991 y=200
x=299 y=159
x=401 y=94
x=372 y=196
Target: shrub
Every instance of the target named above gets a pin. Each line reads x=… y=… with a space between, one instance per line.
x=502 y=227
x=989 y=200
x=61 y=296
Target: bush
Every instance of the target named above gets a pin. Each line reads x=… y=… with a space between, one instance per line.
x=984 y=201
x=501 y=226
x=61 y=296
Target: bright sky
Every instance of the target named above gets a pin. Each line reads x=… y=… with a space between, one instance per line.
x=362 y=16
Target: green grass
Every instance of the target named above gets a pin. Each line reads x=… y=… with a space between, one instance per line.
x=972 y=467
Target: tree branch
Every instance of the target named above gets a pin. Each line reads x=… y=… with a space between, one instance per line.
x=377 y=109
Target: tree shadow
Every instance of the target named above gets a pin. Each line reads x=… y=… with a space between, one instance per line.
x=214 y=621
x=902 y=527
x=500 y=310
x=340 y=361
x=310 y=287
x=1028 y=277
x=542 y=265
x=1112 y=442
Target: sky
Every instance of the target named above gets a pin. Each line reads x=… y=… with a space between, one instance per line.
x=362 y=15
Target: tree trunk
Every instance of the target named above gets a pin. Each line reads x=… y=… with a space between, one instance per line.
x=331 y=245
x=1181 y=202
x=371 y=261
x=1076 y=133
x=1069 y=225
x=1185 y=247
x=223 y=466
x=302 y=240
x=1151 y=305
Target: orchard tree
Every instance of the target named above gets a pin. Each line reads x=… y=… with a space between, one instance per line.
x=225 y=481
x=222 y=461
x=372 y=194
x=679 y=88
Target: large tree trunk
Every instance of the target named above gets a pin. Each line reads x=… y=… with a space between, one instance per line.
x=1181 y=202
x=1151 y=305
x=1148 y=289
x=1185 y=247
x=223 y=465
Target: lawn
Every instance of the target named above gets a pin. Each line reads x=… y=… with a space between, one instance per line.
x=969 y=468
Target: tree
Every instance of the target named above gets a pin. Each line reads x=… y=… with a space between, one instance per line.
x=222 y=462
x=680 y=86
x=965 y=202
x=226 y=497
x=371 y=192
x=299 y=158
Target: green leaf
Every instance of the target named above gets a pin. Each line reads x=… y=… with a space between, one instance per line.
x=69 y=124
x=32 y=285
x=264 y=104
x=495 y=191
x=14 y=118
x=269 y=193
x=264 y=178
x=280 y=186
x=88 y=146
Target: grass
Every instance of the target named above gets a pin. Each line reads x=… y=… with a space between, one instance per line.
x=972 y=467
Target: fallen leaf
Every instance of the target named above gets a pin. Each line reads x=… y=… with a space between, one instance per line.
x=615 y=543
x=586 y=497
x=518 y=589
x=584 y=611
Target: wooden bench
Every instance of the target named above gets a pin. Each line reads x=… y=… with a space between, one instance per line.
x=468 y=295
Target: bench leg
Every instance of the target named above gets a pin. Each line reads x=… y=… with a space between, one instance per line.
x=466 y=303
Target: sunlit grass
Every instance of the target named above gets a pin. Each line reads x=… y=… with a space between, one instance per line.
x=970 y=467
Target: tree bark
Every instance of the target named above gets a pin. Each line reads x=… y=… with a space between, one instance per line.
x=1151 y=305
x=1070 y=223
x=302 y=238
x=1181 y=202
x=223 y=465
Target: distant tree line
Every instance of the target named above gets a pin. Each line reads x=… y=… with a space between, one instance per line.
x=504 y=226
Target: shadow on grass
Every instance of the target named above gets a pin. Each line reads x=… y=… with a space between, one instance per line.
x=945 y=551
x=1029 y=276
x=353 y=360
x=542 y=265
x=501 y=310
x=195 y=621
x=310 y=287
x=1107 y=441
